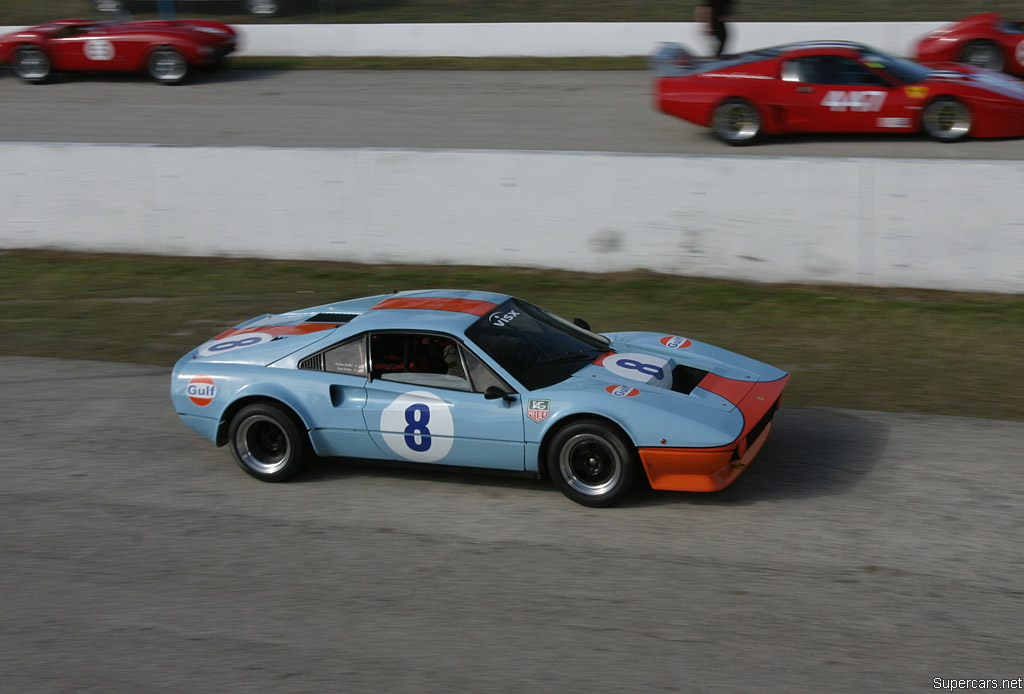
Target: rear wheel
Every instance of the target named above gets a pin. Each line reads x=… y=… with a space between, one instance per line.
x=591 y=463
x=167 y=66
x=31 y=65
x=266 y=442
x=947 y=119
x=982 y=54
x=736 y=122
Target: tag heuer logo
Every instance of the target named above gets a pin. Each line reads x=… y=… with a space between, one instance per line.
x=538 y=409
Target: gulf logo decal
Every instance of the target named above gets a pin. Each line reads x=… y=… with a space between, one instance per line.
x=675 y=342
x=418 y=426
x=623 y=391
x=201 y=390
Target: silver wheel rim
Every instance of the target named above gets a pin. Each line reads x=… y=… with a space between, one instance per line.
x=262 y=444
x=590 y=465
x=167 y=66
x=983 y=55
x=261 y=6
x=31 y=65
x=736 y=122
x=947 y=120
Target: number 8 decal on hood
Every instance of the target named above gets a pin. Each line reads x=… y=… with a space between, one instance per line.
x=418 y=426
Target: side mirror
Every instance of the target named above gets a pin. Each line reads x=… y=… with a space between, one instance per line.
x=579 y=322
x=494 y=392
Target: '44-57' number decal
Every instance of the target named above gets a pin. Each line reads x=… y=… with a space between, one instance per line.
x=861 y=102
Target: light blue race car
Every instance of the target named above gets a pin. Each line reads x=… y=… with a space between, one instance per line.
x=481 y=380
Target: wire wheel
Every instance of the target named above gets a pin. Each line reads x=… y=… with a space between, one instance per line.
x=736 y=122
x=947 y=120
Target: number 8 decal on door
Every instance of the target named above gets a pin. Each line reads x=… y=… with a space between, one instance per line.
x=418 y=426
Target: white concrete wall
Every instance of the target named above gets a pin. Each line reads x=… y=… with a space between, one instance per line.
x=550 y=39
x=860 y=221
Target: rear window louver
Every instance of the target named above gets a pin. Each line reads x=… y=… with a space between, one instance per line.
x=332 y=318
x=313 y=363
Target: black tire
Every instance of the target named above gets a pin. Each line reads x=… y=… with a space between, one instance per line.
x=262 y=8
x=592 y=463
x=947 y=119
x=267 y=443
x=982 y=54
x=736 y=122
x=167 y=65
x=31 y=65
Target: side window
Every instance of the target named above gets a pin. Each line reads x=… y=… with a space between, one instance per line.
x=829 y=69
x=418 y=359
x=347 y=358
x=481 y=375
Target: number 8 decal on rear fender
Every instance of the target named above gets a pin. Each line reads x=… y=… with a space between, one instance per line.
x=418 y=426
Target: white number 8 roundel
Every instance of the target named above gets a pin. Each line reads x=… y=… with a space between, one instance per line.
x=640 y=367
x=418 y=426
x=99 y=49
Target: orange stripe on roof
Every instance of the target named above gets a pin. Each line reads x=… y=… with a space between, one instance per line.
x=477 y=308
x=278 y=330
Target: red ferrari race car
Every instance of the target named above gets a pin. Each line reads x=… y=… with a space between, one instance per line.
x=985 y=40
x=166 y=49
x=834 y=87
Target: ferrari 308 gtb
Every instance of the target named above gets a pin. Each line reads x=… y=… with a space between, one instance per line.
x=478 y=380
x=834 y=87
x=166 y=49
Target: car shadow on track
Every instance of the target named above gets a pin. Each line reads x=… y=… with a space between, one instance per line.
x=198 y=77
x=811 y=452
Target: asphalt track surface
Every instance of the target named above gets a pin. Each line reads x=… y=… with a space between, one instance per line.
x=559 y=111
x=862 y=552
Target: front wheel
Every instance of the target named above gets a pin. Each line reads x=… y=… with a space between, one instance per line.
x=591 y=463
x=736 y=122
x=167 y=66
x=31 y=65
x=267 y=443
x=947 y=119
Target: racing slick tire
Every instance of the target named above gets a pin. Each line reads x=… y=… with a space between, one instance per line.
x=267 y=443
x=591 y=463
x=736 y=122
x=947 y=119
x=262 y=8
x=167 y=66
x=982 y=54
x=31 y=65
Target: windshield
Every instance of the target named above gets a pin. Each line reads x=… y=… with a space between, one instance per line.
x=535 y=346
x=906 y=71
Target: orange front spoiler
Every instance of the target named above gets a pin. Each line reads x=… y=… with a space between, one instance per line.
x=713 y=469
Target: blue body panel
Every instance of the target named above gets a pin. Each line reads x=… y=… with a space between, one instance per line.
x=420 y=419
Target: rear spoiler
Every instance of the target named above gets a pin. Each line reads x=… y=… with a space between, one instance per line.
x=673 y=60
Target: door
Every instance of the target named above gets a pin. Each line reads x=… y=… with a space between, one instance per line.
x=425 y=403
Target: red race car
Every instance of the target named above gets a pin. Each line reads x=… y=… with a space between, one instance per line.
x=166 y=49
x=985 y=40
x=834 y=87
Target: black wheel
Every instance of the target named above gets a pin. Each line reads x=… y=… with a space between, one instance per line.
x=947 y=119
x=167 y=66
x=736 y=122
x=31 y=65
x=982 y=54
x=262 y=8
x=592 y=463
x=267 y=443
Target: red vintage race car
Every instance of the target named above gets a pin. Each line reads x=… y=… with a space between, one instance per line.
x=166 y=49
x=985 y=40
x=834 y=87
